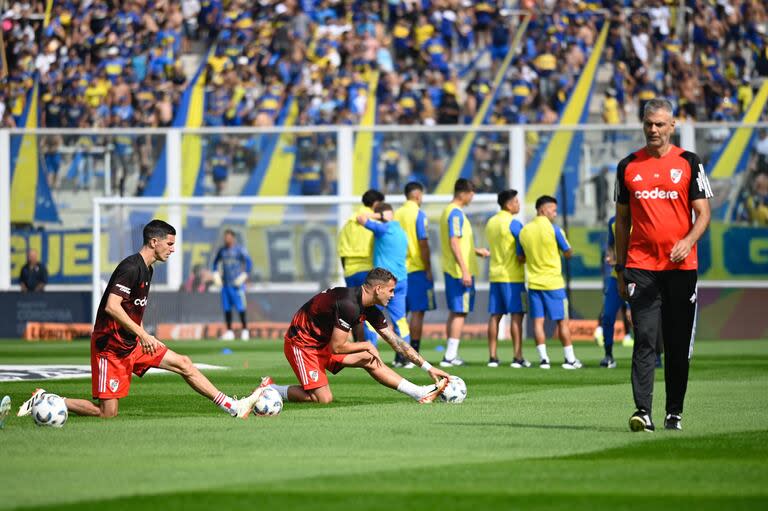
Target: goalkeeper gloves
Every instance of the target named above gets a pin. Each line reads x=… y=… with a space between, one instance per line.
x=240 y=280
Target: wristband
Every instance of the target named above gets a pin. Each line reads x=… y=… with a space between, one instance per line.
x=426 y=366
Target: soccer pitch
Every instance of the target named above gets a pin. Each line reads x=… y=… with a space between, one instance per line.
x=524 y=438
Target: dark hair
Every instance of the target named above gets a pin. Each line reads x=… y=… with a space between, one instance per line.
x=463 y=185
x=545 y=199
x=505 y=196
x=372 y=196
x=379 y=276
x=383 y=206
x=157 y=229
x=412 y=187
x=230 y=231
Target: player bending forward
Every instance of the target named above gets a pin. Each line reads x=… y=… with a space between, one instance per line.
x=316 y=341
x=121 y=347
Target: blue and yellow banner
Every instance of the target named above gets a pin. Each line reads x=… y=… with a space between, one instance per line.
x=31 y=197
x=365 y=165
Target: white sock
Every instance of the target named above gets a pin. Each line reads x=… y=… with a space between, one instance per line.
x=226 y=403
x=542 y=349
x=569 y=355
x=282 y=390
x=452 y=349
x=410 y=389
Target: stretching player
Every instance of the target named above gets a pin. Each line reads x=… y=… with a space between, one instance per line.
x=235 y=266
x=120 y=347
x=317 y=341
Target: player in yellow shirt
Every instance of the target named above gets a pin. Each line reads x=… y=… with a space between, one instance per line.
x=541 y=241
x=355 y=247
x=421 y=293
x=459 y=266
x=507 y=277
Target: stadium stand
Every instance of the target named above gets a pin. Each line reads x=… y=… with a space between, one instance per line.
x=128 y=63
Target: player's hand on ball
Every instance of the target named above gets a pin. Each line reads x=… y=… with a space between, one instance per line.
x=438 y=374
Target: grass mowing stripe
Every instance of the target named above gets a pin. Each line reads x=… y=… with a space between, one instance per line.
x=541 y=432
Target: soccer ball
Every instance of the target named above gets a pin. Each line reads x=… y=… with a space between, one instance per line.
x=50 y=410
x=268 y=403
x=455 y=392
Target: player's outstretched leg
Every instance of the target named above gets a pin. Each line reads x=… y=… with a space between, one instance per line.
x=383 y=374
x=183 y=366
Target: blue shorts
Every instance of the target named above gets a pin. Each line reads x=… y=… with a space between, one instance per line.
x=356 y=279
x=553 y=303
x=233 y=296
x=458 y=297
x=421 y=293
x=506 y=298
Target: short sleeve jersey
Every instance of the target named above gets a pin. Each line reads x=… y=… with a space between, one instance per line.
x=130 y=280
x=414 y=222
x=339 y=307
x=659 y=192
x=455 y=224
x=355 y=245
x=502 y=232
x=541 y=242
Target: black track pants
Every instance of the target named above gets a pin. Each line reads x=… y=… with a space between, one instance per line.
x=663 y=304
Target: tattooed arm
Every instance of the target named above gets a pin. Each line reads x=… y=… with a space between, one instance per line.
x=401 y=346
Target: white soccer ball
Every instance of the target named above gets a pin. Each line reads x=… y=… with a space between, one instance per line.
x=268 y=403
x=49 y=410
x=455 y=392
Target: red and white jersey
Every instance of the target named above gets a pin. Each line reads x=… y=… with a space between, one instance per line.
x=659 y=192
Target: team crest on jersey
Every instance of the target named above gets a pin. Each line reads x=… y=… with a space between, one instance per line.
x=631 y=288
x=113 y=384
x=675 y=174
x=314 y=375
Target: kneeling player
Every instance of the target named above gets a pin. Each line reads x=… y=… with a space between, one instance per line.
x=316 y=341
x=120 y=347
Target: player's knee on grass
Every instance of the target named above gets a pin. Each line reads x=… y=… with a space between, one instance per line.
x=324 y=396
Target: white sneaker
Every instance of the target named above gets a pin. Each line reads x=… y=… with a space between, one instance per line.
x=245 y=406
x=573 y=364
x=229 y=335
x=544 y=364
x=628 y=341
x=26 y=407
x=5 y=410
x=520 y=363
x=245 y=335
x=409 y=365
x=455 y=362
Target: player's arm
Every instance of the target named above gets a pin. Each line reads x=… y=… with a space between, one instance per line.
x=423 y=237
x=214 y=271
x=341 y=346
x=562 y=243
x=622 y=227
x=377 y=228
x=402 y=347
x=114 y=307
x=455 y=225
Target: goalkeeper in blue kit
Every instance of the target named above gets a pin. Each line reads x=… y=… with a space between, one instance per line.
x=231 y=268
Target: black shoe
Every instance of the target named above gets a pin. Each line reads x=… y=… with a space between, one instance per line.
x=641 y=421
x=673 y=421
x=608 y=362
x=493 y=362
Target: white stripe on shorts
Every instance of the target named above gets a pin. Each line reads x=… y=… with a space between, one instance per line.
x=102 y=374
x=300 y=364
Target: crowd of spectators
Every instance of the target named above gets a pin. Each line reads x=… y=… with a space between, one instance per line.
x=117 y=63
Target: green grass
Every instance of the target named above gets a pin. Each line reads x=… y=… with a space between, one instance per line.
x=523 y=439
